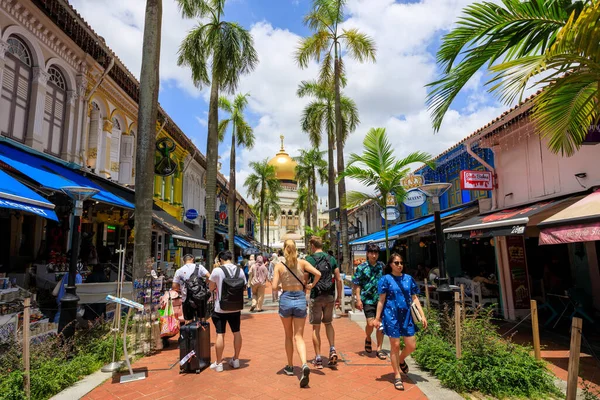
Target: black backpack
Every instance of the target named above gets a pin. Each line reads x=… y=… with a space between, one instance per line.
x=196 y=291
x=325 y=286
x=232 y=290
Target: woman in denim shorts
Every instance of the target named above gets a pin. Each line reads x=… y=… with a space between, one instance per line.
x=292 y=304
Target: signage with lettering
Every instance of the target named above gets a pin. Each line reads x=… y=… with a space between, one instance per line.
x=517 y=264
x=191 y=214
x=414 y=198
x=390 y=213
x=191 y=244
x=476 y=180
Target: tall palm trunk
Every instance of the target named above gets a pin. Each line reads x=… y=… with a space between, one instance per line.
x=313 y=201
x=268 y=223
x=262 y=214
x=231 y=205
x=306 y=223
x=339 y=137
x=146 y=139
x=332 y=191
x=212 y=150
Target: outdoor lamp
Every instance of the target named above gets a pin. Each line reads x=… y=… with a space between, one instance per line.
x=435 y=190
x=68 y=303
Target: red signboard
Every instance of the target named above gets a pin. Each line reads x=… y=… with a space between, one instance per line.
x=476 y=180
x=517 y=264
x=223 y=215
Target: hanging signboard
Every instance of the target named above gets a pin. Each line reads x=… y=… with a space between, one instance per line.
x=191 y=214
x=476 y=180
x=412 y=181
x=190 y=244
x=390 y=213
x=517 y=264
x=414 y=198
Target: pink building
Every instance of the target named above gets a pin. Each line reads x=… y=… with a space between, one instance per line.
x=532 y=185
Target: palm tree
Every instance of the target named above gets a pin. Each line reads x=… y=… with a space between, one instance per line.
x=378 y=168
x=318 y=118
x=259 y=183
x=228 y=50
x=241 y=135
x=518 y=40
x=326 y=42
x=272 y=210
x=146 y=139
x=302 y=204
x=320 y=232
x=311 y=167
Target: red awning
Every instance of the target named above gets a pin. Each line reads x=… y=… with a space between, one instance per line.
x=580 y=222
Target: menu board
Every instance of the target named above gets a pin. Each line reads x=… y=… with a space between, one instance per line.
x=517 y=264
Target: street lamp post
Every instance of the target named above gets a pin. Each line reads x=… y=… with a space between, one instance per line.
x=435 y=190
x=68 y=303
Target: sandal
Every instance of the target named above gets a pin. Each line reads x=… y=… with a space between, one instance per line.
x=381 y=355
x=398 y=384
x=404 y=367
x=368 y=345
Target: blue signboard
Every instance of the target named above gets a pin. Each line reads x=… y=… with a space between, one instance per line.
x=191 y=214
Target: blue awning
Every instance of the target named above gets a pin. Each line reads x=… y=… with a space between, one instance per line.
x=53 y=176
x=239 y=242
x=15 y=195
x=403 y=228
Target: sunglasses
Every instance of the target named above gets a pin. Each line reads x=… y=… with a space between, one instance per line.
x=399 y=262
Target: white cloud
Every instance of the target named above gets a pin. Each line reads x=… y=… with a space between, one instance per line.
x=203 y=121
x=390 y=93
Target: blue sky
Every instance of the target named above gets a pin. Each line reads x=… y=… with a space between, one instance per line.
x=389 y=94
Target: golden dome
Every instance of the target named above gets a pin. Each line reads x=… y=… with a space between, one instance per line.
x=285 y=166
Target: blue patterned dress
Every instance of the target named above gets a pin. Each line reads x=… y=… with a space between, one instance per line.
x=396 y=318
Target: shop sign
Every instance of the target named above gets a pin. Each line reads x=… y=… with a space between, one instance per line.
x=390 y=213
x=191 y=214
x=110 y=228
x=414 y=198
x=189 y=244
x=517 y=265
x=476 y=180
x=223 y=207
x=412 y=181
x=223 y=215
x=25 y=207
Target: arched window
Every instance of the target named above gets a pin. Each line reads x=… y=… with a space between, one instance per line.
x=94 y=134
x=16 y=90
x=54 y=111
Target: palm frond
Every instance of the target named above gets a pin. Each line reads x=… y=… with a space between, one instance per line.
x=194 y=53
x=234 y=55
x=360 y=46
x=311 y=48
x=222 y=129
x=354 y=198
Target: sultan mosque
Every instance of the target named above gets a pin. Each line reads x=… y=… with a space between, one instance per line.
x=289 y=224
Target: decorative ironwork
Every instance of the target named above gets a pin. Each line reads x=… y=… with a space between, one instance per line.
x=116 y=123
x=18 y=49
x=165 y=165
x=56 y=77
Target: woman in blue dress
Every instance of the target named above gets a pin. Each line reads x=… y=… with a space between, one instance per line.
x=396 y=292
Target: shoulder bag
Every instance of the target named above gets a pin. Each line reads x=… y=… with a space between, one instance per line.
x=414 y=309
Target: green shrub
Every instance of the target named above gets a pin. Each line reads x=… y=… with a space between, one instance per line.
x=489 y=363
x=55 y=365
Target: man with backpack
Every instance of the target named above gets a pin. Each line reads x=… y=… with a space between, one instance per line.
x=189 y=282
x=323 y=299
x=229 y=282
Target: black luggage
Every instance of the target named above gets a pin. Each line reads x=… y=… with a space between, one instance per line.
x=195 y=336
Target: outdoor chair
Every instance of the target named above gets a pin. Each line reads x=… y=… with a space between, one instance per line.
x=480 y=300
x=469 y=293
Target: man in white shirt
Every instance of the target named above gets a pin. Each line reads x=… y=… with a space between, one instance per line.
x=184 y=273
x=221 y=318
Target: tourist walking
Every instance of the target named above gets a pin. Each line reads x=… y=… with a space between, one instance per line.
x=272 y=263
x=182 y=275
x=365 y=281
x=292 y=305
x=397 y=291
x=258 y=276
x=323 y=299
x=229 y=283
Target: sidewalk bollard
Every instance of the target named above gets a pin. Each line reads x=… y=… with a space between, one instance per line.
x=457 y=323
x=574 y=350
x=462 y=301
x=535 y=330
x=426 y=295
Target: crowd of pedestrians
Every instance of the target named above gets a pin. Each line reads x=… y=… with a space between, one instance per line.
x=313 y=288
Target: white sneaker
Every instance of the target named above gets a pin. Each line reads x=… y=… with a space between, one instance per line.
x=235 y=363
x=216 y=367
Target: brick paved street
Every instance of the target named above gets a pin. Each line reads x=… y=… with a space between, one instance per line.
x=359 y=376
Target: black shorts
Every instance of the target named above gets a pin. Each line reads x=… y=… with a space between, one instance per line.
x=222 y=319
x=370 y=310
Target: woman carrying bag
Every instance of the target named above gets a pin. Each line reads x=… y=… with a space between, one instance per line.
x=397 y=292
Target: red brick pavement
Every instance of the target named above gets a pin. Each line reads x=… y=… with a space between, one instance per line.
x=358 y=376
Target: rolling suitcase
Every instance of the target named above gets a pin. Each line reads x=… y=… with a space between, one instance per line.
x=195 y=337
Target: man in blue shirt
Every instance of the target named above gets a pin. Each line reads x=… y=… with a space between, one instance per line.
x=365 y=280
